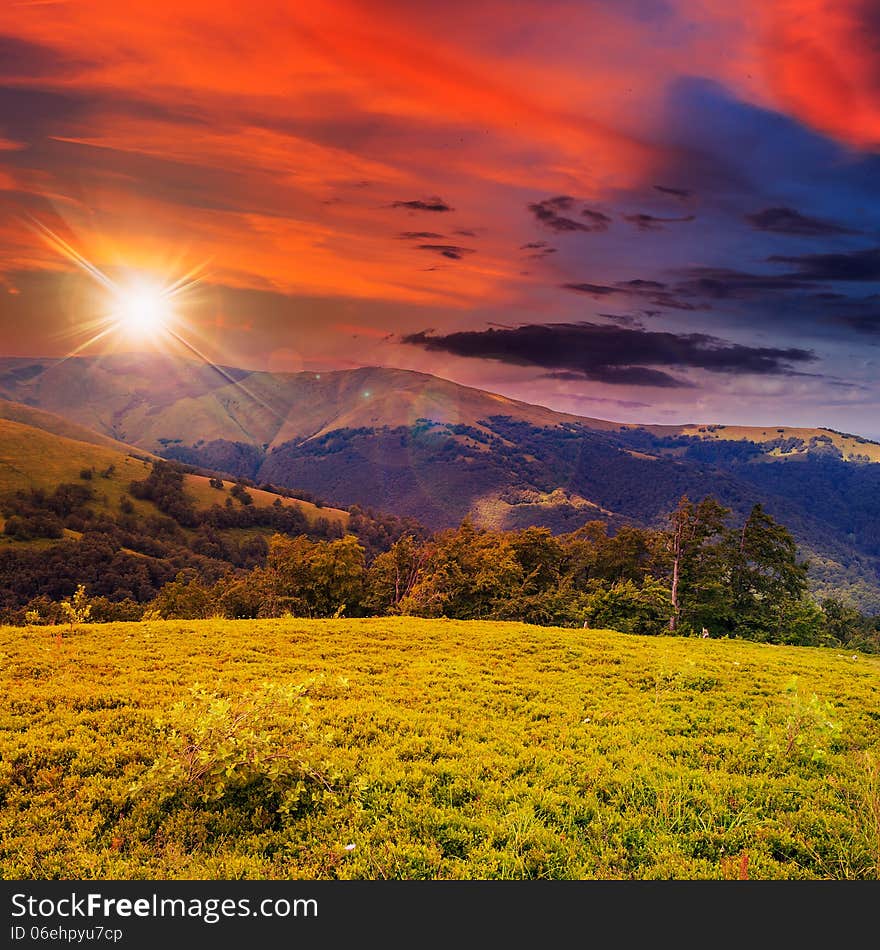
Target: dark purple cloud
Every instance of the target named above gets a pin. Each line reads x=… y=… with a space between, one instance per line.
x=788 y=221
x=613 y=354
x=653 y=292
x=721 y=282
x=850 y=266
x=681 y=193
x=426 y=204
x=452 y=251
x=555 y=215
x=650 y=222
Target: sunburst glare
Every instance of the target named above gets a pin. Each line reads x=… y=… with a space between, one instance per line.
x=142 y=309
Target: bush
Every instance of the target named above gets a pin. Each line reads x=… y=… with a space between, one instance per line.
x=630 y=608
x=77 y=609
x=218 y=748
x=803 y=728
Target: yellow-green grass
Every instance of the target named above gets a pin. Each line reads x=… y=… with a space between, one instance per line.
x=57 y=425
x=458 y=750
x=204 y=495
x=34 y=458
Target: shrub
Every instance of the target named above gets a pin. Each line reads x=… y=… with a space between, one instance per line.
x=77 y=608
x=218 y=748
x=802 y=729
x=630 y=608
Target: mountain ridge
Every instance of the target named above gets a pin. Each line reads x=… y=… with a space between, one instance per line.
x=134 y=399
x=419 y=446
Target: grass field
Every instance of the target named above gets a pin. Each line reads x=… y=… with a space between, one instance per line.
x=431 y=749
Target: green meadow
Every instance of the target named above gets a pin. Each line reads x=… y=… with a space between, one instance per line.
x=401 y=748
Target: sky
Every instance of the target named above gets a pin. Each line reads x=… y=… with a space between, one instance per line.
x=642 y=210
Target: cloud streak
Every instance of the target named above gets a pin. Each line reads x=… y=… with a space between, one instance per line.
x=555 y=214
x=423 y=204
x=651 y=222
x=613 y=354
x=782 y=220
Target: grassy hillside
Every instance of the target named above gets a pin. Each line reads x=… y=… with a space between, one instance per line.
x=432 y=749
x=34 y=458
x=796 y=442
x=58 y=425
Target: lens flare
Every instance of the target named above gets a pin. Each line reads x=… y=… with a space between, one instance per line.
x=142 y=310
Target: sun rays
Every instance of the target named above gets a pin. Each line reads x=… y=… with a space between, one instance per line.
x=142 y=310
x=139 y=307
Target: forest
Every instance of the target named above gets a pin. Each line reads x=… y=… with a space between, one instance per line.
x=705 y=573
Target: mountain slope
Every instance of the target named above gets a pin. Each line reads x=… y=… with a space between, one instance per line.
x=33 y=458
x=155 y=401
x=420 y=446
x=58 y=425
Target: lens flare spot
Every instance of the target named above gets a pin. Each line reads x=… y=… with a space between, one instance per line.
x=142 y=310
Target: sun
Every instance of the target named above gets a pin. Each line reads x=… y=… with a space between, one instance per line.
x=142 y=309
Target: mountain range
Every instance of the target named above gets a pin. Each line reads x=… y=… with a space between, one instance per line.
x=421 y=446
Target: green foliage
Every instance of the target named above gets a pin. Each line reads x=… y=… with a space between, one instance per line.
x=393 y=574
x=803 y=727
x=215 y=747
x=164 y=486
x=239 y=491
x=630 y=608
x=77 y=609
x=800 y=622
x=315 y=579
x=467 y=574
x=184 y=598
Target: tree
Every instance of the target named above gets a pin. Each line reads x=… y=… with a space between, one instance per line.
x=393 y=575
x=470 y=574
x=694 y=543
x=316 y=578
x=76 y=609
x=630 y=608
x=765 y=574
x=843 y=623
x=184 y=598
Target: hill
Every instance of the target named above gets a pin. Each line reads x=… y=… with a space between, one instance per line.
x=430 y=449
x=38 y=458
x=433 y=749
x=58 y=425
x=155 y=402
x=125 y=525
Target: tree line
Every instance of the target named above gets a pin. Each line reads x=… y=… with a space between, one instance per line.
x=703 y=574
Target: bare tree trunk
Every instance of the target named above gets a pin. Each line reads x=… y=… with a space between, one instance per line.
x=673 y=620
x=681 y=526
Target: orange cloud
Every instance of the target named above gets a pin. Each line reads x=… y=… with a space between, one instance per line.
x=823 y=63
